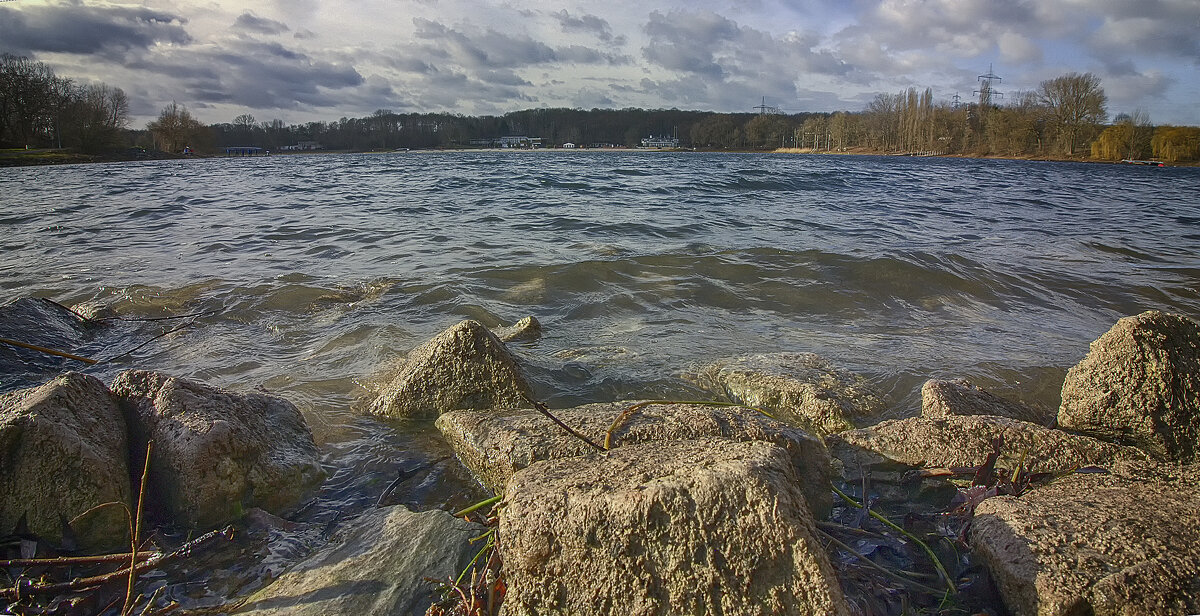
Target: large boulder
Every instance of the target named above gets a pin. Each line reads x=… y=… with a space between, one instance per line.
x=495 y=445
x=218 y=453
x=802 y=389
x=464 y=367
x=63 y=451
x=1140 y=385
x=1105 y=545
x=376 y=565
x=960 y=397
x=966 y=440
x=684 y=527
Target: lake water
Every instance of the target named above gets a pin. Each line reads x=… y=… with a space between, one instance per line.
x=325 y=269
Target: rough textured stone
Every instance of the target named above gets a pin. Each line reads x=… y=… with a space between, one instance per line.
x=800 y=388
x=1104 y=545
x=528 y=328
x=377 y=565
x=218 y=453
x=966 y=440
x=63 y=450
x=684 y=527
x=960 y=397
x=1140 y=385
x=496 y=445
x=464 y=367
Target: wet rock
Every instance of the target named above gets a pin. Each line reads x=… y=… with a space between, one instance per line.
x=959 y=397
x=464 y=367
x=528 y=328
x=966 y=440
x=94 y=310
x=63 y=451
x=1124 y=543
x=799 y=388
x=218 y=453
x=44 y=323
x=685 y=527
x=496 y=445
x=1140 y=385
x=377 y=565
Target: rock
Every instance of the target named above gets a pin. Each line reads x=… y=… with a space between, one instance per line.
x=494 y=445
x=684 y=527
x=44 y=323
x=1124 y=543
x=799 y=388
x=966 y=440
x=218 y=453
x=464 y=367
x=95 y=309
x=377 y=565
x=64 y=451
x=1140 y=385
x=960 y=397
x=528 y=328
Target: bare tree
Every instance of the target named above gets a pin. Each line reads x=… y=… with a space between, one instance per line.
x=1077 y=106
x=175 y=128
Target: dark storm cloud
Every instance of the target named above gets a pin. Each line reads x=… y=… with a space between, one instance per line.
x=589 y=24
x=79 y=29
x=489 y=49
x=252 y=23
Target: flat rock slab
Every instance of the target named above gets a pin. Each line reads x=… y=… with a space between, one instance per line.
x=495 y=445
x=959 y=397
x=464 y=367
x=377 y=565
x=966 y=440
x=218 y=453
x=1105 y=545
x=685 y=527
x=802 y=389
x=63 y=451
x=1140 y=385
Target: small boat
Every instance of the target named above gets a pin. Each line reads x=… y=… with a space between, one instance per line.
x=1152 y=163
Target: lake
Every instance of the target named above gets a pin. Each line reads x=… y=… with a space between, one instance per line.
x=322 y=270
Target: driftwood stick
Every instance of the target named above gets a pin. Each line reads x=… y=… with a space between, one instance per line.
x=47 y=351
x=71 y=561
x=541 y=408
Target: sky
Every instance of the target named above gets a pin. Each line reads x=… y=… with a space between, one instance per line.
x=309 y=60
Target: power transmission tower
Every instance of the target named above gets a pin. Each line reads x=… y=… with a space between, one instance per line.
x=763 y=109
x=985 y=92
x=957 y=101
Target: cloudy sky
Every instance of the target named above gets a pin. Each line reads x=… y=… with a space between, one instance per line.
x=302 y=60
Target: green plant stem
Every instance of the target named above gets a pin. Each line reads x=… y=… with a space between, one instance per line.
x=480 y=505
x=937 y=563
x=877 y=566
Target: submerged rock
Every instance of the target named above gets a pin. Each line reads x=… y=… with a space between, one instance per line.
x=496 y=445
x=377 y=565
x=1140 y=385
x=218 y=453
x=799 y=388
x=63 y=451
x=1104 y=545
x=528 y=328
x=966 y=440
x=682 y=527
x=959 y=397
x=44 y=323
x=464 y=367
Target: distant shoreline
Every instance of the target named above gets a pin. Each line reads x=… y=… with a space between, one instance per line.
x=46 y=156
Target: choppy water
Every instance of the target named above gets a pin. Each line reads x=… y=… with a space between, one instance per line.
x=326 y=268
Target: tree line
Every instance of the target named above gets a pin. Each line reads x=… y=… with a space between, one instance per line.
x=1063 y=117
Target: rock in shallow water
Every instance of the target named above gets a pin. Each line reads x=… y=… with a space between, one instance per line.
x=63 y=451
x=464 y=367
x=494 y=445
x=217 y=453
x=1105 y=545
x=966 y=440
x=685 y=527
x=959 y=397
x=799 y=388
x=376 y=565
x=1140 y=385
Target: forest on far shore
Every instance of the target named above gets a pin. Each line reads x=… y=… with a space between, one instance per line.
x=1066 y=117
